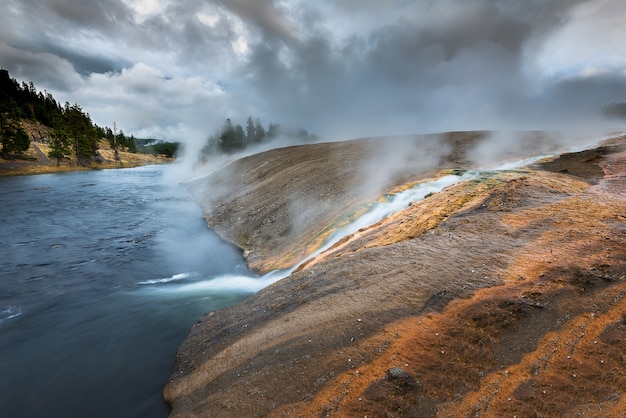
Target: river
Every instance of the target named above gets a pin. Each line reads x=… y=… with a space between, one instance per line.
x=102 y=275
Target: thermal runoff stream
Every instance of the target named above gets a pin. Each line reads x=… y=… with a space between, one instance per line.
x=103 y=274
x=377 y=211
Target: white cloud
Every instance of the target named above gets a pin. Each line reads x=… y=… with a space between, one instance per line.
x=340 y=68
x=151 y=102
x=209 y=19
x=592 y=42
x=145 y=8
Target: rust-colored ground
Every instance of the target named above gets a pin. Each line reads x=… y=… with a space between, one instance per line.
x=497 y=297
x=279 y=205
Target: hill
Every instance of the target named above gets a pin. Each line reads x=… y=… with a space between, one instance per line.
x=499 y=295
x=36 y=160
x=39 y=135
x=278 y=205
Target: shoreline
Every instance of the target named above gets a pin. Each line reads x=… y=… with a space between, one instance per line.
x=22 y=168
x=39 y=163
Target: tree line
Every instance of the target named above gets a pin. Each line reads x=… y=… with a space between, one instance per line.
x=15 y=104
x=73 y=132
x=616 y=110
x=233 y=137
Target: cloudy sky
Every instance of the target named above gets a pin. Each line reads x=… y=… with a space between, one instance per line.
x=175 y=69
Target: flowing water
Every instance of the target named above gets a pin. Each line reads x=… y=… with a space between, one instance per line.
x=102 y=275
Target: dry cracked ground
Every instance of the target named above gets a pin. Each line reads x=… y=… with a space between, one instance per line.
x=498 y=296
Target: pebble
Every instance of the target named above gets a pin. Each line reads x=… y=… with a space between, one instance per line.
x=397 y=373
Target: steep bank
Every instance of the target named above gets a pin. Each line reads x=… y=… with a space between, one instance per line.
x=498 y=296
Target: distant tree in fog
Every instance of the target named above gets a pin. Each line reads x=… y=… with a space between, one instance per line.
x=305 y=136
x=259 y=131
x=226 y=138
x=273 y=130
x=240 y=137
x=615 y=110
x=232 y=137
x=250 y=130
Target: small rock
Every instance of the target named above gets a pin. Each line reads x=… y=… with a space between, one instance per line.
x=397 y=373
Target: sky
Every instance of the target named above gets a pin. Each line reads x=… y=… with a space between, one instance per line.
x=176 y=69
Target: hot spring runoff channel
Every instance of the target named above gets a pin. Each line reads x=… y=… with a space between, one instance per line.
x=102 y=275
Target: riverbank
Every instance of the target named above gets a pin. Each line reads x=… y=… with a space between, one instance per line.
x=501 y=295
x=36 y=161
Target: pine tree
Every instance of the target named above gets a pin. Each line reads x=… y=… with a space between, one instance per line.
x=240 y=137
x=81 y=132
x=59 y=146
x=273 y=130
x=13 y=137
x=259 y=131
x=132 y=147
x=227 y=136
x=250 y=130
x=22 y=101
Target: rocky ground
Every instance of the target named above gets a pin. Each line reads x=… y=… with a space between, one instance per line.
x=499 y=296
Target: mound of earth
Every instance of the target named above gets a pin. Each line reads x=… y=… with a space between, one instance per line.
x=499 y=296
x=279 y=205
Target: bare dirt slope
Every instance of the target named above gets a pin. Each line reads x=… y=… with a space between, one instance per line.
x=502 y=296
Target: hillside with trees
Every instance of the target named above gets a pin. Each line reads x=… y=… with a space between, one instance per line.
x=65 y=134
x=62 y=133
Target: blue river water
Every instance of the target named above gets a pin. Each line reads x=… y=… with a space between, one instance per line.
x=102 y=274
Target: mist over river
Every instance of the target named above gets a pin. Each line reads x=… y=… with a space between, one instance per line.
x=102 y=275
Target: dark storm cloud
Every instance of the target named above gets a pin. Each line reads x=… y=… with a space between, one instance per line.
x=61 y=18
x=448 y=61
x=583 y=96
x=265 y=15
x=99 y=14
x=57 y=73
x=46 y=34
x=338 y=68
x=85 y=64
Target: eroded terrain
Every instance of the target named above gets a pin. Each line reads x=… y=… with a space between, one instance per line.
x=498 y=296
